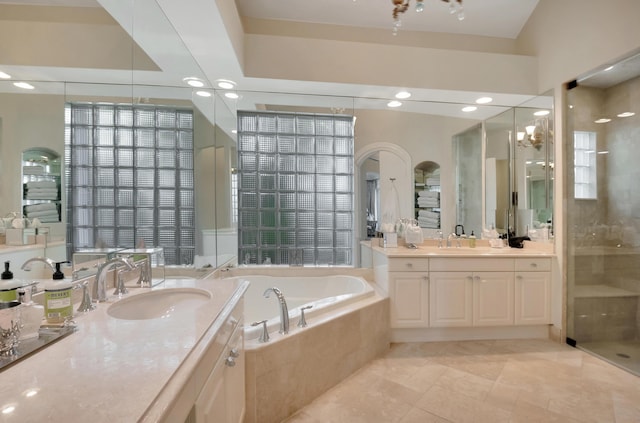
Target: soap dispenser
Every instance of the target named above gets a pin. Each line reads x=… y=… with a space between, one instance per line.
x=32 y=314
x=58 y=305
x=8 y=287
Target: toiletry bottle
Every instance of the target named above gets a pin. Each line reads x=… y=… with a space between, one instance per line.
x=472 y=240
x=58 y=306
x=32 y=315
x=8 y=287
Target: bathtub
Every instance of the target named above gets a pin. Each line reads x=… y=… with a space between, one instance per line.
x=324 y=293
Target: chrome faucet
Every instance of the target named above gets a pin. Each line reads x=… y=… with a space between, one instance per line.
x=453 y=236
x=27 y=264
x=284 y=311
x=440 y=239
x=99 y=291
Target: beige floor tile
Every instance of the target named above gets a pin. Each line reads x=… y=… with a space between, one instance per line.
x=516 y=381
x=416 y=415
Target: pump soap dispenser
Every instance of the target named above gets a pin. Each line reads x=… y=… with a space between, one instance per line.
x=58 y=305
x=8 y=287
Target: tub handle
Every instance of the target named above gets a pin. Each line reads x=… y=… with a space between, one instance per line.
x=303 y=322
x=264 y=337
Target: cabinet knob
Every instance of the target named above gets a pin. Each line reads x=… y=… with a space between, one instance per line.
x=230 y=362
x=534 y=265
x=409 y=264
x=234 y=353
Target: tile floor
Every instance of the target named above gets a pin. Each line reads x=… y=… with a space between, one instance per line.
x=625 y=354
x=481 y=381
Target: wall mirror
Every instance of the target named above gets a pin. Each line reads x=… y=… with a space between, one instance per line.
x=467 y=151
x=519 y=167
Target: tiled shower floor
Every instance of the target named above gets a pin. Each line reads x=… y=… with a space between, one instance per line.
x=622 y=354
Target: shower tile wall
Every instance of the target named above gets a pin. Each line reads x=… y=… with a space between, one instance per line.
x=605 y=233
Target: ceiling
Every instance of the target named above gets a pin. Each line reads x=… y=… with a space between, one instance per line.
x=196 y=44
x=492 y=18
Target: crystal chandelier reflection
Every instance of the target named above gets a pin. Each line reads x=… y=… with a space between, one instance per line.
x=401 y=6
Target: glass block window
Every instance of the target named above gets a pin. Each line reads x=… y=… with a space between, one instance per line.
x=295 y=188
x=584 y=160
x=130 y=178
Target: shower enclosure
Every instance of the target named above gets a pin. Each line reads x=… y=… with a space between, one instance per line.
x=603 y=213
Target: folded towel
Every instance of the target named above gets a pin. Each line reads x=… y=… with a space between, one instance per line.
x=433 y=181
x=40 y=207
x=44 y=213
x=429 y=194
x=51 y=219
x=42 y=184
x=428 y=214
x=429 y=203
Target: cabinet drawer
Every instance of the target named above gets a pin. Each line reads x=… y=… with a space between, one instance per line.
x=533 y=265
x=471 y=264
x=408 y=265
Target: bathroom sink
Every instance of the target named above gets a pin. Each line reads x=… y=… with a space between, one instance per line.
x=162 y=303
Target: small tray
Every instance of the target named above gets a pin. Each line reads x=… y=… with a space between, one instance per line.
x=47 y=335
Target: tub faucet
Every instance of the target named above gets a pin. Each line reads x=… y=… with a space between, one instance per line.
x=99 y=290
x=284 y=311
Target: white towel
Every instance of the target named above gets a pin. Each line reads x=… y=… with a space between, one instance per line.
x=429 y=194
x=433 y=181
x=43 y=213
x=40 y=207
x=428 y=214
x=42 y=184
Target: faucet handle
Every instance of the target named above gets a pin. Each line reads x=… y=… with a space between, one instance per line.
x=86 y=304
x=303 y=322
x=264 y=337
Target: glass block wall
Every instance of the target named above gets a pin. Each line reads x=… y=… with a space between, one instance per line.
x=130 y=178
x=295 y=188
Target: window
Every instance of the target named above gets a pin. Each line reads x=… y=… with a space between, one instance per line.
x=584 y=162
x=130 y=178
x=295 y=187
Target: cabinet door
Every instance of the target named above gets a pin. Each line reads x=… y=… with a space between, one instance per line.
x=532 y=299
x=234 y=378
x=409 y=294
x=211 y=405
x=450 y=299
x=493 y=303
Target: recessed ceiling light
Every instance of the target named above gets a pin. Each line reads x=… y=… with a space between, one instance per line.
x=203 y=93
x=541 y=113
x=193 y=81
x=603 y=152
x=394 y=103
x=608 y=69
x=484 y=100
x=626 y=114
x=234 y=131
x=469 y=109
x=232 y=96
x=602 y=120
x=24 y=85
x=403 y=94
x=4 y=75
x=225 y=84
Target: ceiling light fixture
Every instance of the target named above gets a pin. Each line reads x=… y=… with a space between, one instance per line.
x=232 y=96
x=468 y=109
x=193 y=81
x=541 y=113
x=24 y=85
x=4 y=75
x=203 y=93
x=626 y=114
x=226 y=84
x=394 y=103
x=484 y=100
x=401 y=6
x=602 y=120
x=403 y=95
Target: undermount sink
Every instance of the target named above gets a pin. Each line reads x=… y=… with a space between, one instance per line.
x=158 y=304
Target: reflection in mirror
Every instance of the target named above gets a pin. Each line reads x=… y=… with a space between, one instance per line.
x=41 y=199
x=467 y=150
x=371 y=172
x=498 y=131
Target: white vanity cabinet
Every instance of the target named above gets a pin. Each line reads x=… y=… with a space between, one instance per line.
x=222 y=397
x=409 y=292
x=532 y=291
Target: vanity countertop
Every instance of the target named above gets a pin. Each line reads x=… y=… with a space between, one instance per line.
x=433 y=251
x=113 y=370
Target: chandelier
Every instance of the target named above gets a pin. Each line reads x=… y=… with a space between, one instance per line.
x=401 y=6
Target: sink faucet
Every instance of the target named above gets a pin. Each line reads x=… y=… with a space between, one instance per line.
x=453 y=236
x=100 y=285
x=284 y=311
x=27 y=264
